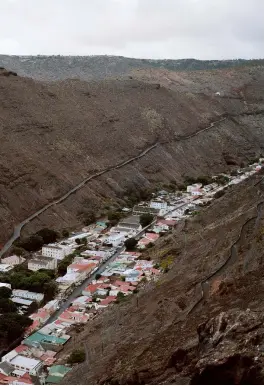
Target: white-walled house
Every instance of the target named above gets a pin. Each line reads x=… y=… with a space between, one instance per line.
x=7 y=285
x=193 y=187
x=56 y=251
x=24 y=294
x=158 y=204
x=13 y=260
x=115 y=239
x=42 y=262
x=32 y=366
x=197 y=193
x=5 y=268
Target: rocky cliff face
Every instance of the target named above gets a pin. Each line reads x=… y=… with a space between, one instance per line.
x=55 y=135
x=171 y=332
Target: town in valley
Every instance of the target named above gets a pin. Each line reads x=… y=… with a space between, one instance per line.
x=68 y=282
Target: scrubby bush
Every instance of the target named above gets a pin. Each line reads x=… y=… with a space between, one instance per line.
x=219 y=194
x=130 y=244
x=146 y=219
x=77 y=356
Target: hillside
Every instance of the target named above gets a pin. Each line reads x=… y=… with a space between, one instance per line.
x=55 y=135
x=173 y=333
x=49 y=68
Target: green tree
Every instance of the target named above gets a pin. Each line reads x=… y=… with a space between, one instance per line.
x=12 y=326
x=78 y=241
x=114 y=217
x=31 y=243
x=50 y=290
x=146 y=219
x=6 y=306
x=97 y=276
x=77 y=356
x=130 y=244
x=48 y=235
x=5 y=293
x=18 y=251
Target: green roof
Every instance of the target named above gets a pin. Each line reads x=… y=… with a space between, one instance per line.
x=101 y=223
x=59 y=370
x=38 y=338
x=53 y=379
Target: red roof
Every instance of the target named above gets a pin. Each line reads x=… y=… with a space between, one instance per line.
x=21 y=348
x=92 y=288
x=167 y=222
x=108 y=300
x=118 y=283
x=144 y=241
x=103 y=286
x=83 y=267
x=6 y=380
x=152 y=236
x=33 y=326
x=26 y=378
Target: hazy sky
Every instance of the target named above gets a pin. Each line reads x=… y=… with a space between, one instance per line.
x=203 y=29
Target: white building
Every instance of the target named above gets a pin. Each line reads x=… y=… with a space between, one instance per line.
x=32 y=366
x=21 y=301
x=42 y=262
x=56 y=251
x=103 y=254
x=158 y=204
x=194 y=187
x=87 y=235
x=115 y=239
x=24 y=294
x=5 y=268
x=7 y=285
x=197 y=193
x=13 y=260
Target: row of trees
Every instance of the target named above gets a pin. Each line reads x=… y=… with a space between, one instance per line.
x=12 y=325
x=40 y=281
x=36 y=241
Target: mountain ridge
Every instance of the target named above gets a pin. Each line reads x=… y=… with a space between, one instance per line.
x=58 y=67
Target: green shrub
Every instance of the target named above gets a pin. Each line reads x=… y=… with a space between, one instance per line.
x=77 y=356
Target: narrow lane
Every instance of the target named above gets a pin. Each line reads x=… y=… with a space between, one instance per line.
x=78 y=290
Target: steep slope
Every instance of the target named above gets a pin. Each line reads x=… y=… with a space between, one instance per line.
x=172 y=333
x=50 y=68
x=53 y=136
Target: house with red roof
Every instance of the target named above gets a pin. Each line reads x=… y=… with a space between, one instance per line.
x=33 y=327
x=74 y=317
x=105 y=302
x=82 y=302
x=90 y=290
x=168 y=223
x=147 y=239
x=82 y=268
x=6 y=379
x=41 y=315
x=25 y=379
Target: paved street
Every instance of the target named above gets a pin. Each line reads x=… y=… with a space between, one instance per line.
x=78 y=290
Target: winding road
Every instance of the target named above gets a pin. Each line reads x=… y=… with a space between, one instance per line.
x=19 y=227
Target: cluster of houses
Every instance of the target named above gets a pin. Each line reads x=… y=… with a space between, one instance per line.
x=34 y=360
